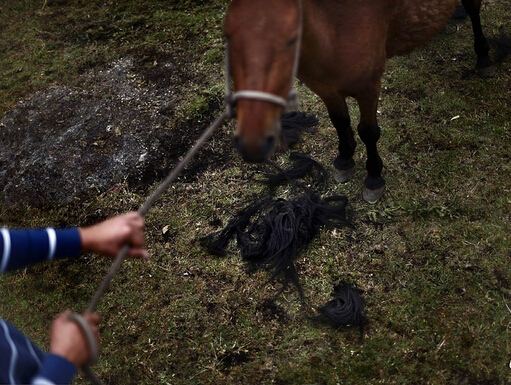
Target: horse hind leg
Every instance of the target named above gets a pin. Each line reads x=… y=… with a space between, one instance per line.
x=344 y=165
x=484 y=64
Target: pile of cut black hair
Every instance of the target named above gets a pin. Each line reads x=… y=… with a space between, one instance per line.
x=345 y=308
x=271 y=232
x=292 y=124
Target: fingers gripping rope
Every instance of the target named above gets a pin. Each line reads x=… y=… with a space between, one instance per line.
x=89 y=336
x=93 y=347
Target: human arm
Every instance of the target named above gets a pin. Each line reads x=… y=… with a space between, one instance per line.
x=108 y=237
x=20 y=248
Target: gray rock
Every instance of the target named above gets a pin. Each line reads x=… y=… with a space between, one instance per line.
x=65 y=144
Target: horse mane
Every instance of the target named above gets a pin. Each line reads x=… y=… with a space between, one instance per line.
x=276 y=236
x=303 y=166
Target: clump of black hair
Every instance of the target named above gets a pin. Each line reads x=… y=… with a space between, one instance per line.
x=292 y=124
x=345 y=308
x=271 y=232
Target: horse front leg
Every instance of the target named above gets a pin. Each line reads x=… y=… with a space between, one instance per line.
x=484 y=64
x=369 y=132
x=344 y=165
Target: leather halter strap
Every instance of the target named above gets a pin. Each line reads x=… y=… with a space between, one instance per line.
x=288 y=103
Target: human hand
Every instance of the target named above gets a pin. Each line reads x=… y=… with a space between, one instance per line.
x=68 y=341
x=109 y=236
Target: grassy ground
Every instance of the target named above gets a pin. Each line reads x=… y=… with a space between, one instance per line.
x=432 y=257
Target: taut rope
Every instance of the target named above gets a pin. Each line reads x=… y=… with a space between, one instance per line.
x=150 y=201
x=231 y=99
x=114 y=269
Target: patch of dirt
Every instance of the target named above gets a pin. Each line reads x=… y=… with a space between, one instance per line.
x=271 y=311
x=67 y=144
x=233 y=357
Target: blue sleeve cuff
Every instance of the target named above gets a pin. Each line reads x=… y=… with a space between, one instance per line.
x=56 y=370
x=69 y=243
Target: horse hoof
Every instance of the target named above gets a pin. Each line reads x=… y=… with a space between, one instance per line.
x=342 y=176
x=373 y=196
x=486 y=72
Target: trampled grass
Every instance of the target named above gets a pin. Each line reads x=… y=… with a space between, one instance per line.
x=432 y=257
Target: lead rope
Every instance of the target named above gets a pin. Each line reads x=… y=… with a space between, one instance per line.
x=114 y=269
x=230 y=98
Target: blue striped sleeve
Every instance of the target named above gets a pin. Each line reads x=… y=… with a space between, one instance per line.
x=55 y=370
x=20 y=248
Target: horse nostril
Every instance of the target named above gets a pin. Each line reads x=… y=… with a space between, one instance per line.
x=237 y=143
x=254 y=154
x=270 y=144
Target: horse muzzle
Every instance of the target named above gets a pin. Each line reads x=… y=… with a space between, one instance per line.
x=256 y=146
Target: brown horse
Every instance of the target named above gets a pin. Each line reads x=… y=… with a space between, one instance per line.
x=338 y=48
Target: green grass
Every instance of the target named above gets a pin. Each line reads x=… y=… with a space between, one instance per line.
x=432 y=257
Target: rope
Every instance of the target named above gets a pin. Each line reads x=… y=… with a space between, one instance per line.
x=114 y=269
x=227 y=114
x=150 y=202
x=93 y=347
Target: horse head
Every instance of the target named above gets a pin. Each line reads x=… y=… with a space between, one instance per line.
x=263 y=41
